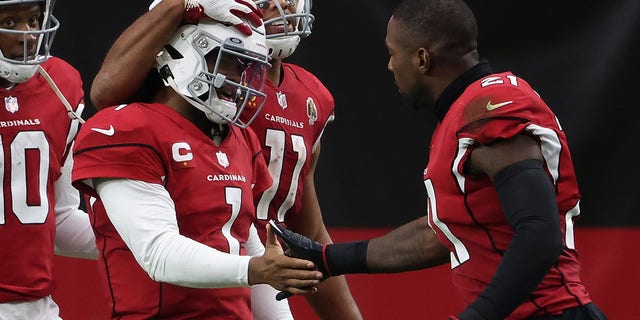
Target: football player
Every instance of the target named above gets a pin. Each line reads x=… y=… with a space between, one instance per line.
x=297 y=110
x=171 y=186
x=43 y=100
x=501 y=190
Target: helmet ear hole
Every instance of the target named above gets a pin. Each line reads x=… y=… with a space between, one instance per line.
x=173 y=52
x=165 y=72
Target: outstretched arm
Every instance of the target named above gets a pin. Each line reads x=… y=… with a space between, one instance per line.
x=412 y=246
x=144 y=216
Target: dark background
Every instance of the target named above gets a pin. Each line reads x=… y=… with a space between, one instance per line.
x=579 y=55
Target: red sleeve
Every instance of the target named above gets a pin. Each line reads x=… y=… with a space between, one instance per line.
x=112 y=145
x=500 y=112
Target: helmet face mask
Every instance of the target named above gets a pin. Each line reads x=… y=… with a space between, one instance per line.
x=28 y=42
x=283 y=44
x=217 y=69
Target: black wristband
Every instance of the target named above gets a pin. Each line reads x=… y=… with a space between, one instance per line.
x=345 y=258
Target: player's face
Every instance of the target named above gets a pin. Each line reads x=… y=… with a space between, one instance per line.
x=234 y=69
x=270 y=10
x=404 y=64
x=19 y=17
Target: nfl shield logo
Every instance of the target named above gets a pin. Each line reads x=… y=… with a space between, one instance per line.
x=11 y=104
x=222 y=159
x=282 y=99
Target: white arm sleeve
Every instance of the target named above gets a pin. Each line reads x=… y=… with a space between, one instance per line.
x=74 y=236
x=265 y=306
x=144 y=216
x=263 y=296
x=254 y=246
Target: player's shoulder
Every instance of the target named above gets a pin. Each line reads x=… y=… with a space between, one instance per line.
x=314 y=87
x=132 y=117
x=298 y=70
x=504 y=97
x=303 y=75
x=500 y=85
x=66 y=78
x=58 y=67
x=504 y=91
x=126 y=123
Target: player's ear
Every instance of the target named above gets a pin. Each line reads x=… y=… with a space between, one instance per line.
x=423 y=60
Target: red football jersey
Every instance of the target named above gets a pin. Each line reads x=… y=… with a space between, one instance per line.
x=465 y=210
x=289 y=125
x=210 y=185
x=36 y=135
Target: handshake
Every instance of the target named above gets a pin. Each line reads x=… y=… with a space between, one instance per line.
x=299 y=246
x=330 y=259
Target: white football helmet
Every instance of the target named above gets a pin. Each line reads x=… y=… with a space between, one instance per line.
x=182 y=64
x=19 y=67
x=283 y=44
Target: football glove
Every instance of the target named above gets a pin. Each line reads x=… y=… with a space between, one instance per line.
x=226 y=11
x=233 y=12
x=299 y=246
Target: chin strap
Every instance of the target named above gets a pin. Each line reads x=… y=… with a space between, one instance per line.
x=72 y=114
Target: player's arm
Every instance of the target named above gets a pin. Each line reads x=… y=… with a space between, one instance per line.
x=74 y=236
x=144 y=216
x=333 y=299
x=132 y=55
x=528 y=200
x=412 y=246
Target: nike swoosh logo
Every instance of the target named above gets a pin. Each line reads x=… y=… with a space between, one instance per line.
x=106 y=132
x=497 y=105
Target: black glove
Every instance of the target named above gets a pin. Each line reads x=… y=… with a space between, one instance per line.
x=299 y=246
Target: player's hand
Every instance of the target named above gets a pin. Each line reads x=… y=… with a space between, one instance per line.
x=233 y=12
x=287 y=274
x=302 y=247
x=227 y=11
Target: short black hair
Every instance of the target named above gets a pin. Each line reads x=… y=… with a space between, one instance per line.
x=450 y=23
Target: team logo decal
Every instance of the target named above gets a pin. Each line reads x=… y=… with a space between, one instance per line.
x=222 y=159
x=312 y=111
x=282 y=99
x=11 y=104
